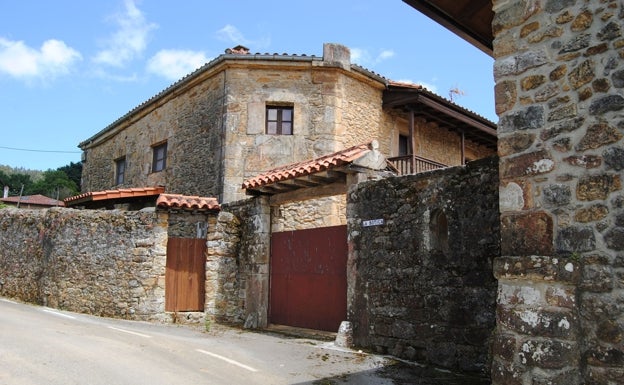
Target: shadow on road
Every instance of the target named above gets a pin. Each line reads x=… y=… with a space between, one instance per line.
x=400 y=373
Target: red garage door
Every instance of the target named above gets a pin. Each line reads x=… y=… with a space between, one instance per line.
x=309 y=278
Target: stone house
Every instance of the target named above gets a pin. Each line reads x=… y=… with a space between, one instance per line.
x=242 y=114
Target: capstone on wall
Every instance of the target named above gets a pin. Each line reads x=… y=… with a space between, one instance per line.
x=559 y=90
x=420 y=281
x=106 y=263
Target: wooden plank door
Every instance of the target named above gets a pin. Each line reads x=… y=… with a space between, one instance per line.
x=185 y=274
x=309 y=278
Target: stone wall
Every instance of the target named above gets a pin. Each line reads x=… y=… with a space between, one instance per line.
x=420 y=283
x=106 y=263
x=560 y=97
x=237 y=266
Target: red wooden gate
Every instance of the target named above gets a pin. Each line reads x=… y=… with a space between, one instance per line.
x=309 y=278
x=185 y=274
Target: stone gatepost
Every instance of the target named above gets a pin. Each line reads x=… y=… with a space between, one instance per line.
x=559 y=72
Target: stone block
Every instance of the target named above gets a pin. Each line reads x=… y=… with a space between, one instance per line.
x=556 y=195
x=527 y=234
x=597 y=187
x=585 y=161
x=610 y=31
x=592 y=213
x=534 y=268
x=582 y=74
x=511 y=197
x=611 y=331
x=614 y=238
x=608 y=103
x=599 y=135
x=505 y=95
x=515 y=143
x=614 y=158
x=530 y=164
x=530 y=118
x=504 y=346
x=548 y=354
x=507 y=373
x=560 y=324
x=518 y=294
x=561 y=296
x=605 y=356
x=606 y=376
x=597 y=278
x=575 y=239
x=568 y=125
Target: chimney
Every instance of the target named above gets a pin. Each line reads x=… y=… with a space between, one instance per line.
x=6 y=192
x=238 y=50
x=337 y=54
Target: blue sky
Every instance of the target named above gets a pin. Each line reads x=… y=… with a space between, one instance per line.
x=69 y=68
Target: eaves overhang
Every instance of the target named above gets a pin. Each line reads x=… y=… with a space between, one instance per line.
x=316 y=173
x=433 y=107
x=469 y=19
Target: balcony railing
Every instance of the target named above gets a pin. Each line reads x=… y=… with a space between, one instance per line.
x=413 y=164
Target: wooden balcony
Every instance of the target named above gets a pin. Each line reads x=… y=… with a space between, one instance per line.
x=414 y=164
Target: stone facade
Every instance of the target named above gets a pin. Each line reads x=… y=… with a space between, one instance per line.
x=420 y=283
x=107 y=263
x=559 y=95
x=213 y=122
x=190 y=124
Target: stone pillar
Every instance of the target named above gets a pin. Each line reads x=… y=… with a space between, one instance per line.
x=559 y=90
x=258 y=251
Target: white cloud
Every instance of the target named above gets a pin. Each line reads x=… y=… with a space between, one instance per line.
x=129 y=41
x=231 y=34
x=430 y=86
x=386 y=54
x=364 y=58
x=174 y=64
x=21 y=61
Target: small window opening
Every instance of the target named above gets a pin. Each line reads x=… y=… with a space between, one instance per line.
x=159 y=161
x=438 y=229
x=120 y=170
x=279 y=120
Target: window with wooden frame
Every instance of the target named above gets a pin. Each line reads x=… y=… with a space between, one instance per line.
x=159 y=161
x=279 y=120
x=120 y=170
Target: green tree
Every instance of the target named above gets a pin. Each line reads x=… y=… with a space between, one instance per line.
x=54 y=184
x=73 y=171
x=15 y=182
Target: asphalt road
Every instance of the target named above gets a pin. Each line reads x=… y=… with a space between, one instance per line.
x=39 y=345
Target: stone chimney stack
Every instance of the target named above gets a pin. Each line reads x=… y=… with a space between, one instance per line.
x=337 y=54
x=238 y=50
x=6 y=192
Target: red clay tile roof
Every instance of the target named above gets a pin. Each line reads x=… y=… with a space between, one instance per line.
x=37 y=200
x=114 y=194
x=309 y=167
x=184 y=202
